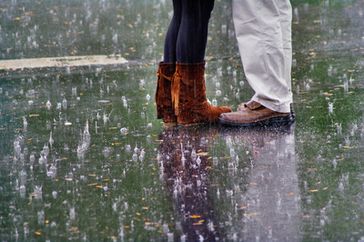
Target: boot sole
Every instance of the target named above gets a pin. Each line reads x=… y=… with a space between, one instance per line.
x=274 y=121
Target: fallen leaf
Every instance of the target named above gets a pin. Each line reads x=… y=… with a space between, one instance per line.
x=199 y=222
x=202 y=154
x=313 y=190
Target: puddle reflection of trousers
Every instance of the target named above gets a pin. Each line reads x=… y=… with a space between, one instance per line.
x=263 y=32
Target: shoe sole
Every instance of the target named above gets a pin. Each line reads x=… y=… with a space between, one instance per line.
x=275 y=121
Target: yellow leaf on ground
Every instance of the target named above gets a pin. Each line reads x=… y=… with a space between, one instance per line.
x=313 y=190
x=327 y=94
x=202 y=154
x=200 y=222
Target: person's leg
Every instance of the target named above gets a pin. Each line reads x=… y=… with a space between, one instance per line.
x=285 y=14
x=167 y=68
x=192 y=37
x=170 y=42
x=260 y=34
x=188 y=84
x=263 y=33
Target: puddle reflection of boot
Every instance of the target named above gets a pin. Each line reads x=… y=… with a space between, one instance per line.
x=270 y=194
x=184 y=161
x=256 y=138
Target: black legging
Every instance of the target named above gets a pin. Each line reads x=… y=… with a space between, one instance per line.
x=186 y=38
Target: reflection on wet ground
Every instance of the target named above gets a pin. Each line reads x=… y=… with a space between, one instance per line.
x=83 y=157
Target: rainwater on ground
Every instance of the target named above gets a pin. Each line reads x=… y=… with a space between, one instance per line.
x=83 y=157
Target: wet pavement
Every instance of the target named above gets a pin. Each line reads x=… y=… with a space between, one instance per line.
x=82 y=156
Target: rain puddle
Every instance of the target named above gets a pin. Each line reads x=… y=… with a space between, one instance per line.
x=83 y=157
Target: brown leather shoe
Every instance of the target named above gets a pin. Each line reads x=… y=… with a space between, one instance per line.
x=189 y=96
x=163 y=96
x=255 y=114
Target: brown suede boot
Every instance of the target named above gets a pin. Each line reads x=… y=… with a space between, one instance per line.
x=255 y=114
x=163 y=96
x=189 y=96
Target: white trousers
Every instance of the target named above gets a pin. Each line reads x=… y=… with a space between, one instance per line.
x=264 y=34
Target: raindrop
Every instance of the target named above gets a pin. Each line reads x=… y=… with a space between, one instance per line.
x=115 y=38
x=22 y=191
x=74 y=91
x=72 y=213
x=142 y=155
x=214 y=102
x=23 y=177
x=339 y=129
x=142 y=84
x=40 y=217
x=125 y=101
x=121 y=232
x=25 y=123
x=170 y=237
x=128 y=148
x=142 y=115
x=346 y=86
x=218 y=93
x=294 y=62
x=341 y=186
x=135 y=157
x=183 y=160
x=193 y=154
x=37 y=193
x=49 y=105
x=148 y=97
x=52 y=171
x=124 y=131
x=149 y=125
x=331 y=107
x=307 y=86
x=215 y=161
x=64 y=103
x=198 y=161
x=105 y=118
x=106 y=152
x=201 y=238
x=296 y=14
x=210 y=226
x=165 y=228
x=42 y=160
x=45 y=150
x=26 y=229
x=51 y=140
x=32 y=158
